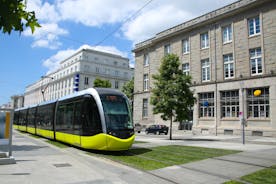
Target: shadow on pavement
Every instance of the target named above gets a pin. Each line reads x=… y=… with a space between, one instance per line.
x=26 y=147
x=130 y=152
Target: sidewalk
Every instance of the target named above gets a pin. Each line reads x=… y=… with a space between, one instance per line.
x=39 y=162
x=220 y=169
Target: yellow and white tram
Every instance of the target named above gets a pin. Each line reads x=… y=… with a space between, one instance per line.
x=95 y=118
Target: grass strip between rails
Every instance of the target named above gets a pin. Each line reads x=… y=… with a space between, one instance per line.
x=162 y=156
x=267 y=176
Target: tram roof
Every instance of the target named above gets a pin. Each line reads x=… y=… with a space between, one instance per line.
x=91 y=91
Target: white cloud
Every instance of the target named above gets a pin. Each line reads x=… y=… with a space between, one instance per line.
x=45 y=12
x=46 y=36
x=53 y=63
x=153 y=21
x=165 y=14
x=155 y=17
x=97 y=12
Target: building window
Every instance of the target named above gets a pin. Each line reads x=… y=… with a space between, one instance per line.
x=254 y=26
x=227 y=34
x=186 y=68
x=205 y=70
x=228 y=66
x=229 y=103
x=185 y=46
x=145 y=108
x=86 y=82
x=146 y=82
x=256 y=61
x=146 y=59
x=167 y=49
x=97 y=70
x=206 y=105
x=204 y=40
x=116 y=84
x=126 y=75
x=258 y=106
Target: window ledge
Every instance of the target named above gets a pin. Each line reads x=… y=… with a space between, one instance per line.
x=206 y=118
x=229 y=119
x=205 y=48
x=254 y=35
x=229 y=78
x=258 y=119
x=257 y=74
x=227 y=42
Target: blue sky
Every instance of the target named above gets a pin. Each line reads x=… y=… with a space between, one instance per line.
x=68 y=25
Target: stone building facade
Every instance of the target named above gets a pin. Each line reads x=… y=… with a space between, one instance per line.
x=229 y=53
x=78 y=72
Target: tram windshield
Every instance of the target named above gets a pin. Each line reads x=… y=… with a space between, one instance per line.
x=117 y=112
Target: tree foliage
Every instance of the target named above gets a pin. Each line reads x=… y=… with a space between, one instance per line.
x=128 y=89
x=171 y=95
x=101 y=83
x=13 y=16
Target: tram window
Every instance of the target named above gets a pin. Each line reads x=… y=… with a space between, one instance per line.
x=65 y=114
x=116 y=112
x=45 y=116
x=92 y=122
x=22 y=117
x=77 y=118
x=59 y=120
x=31 y=117
x=68 y=116
x=16 y=116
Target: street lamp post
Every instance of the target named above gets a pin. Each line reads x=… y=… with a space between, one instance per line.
x=44 y=89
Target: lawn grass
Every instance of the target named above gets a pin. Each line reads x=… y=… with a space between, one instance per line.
x=162 y=156
x=57 y=144
x=35 y=136
x=233 y=182
x=267 y=176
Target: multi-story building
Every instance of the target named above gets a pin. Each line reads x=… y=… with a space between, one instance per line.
x=229 y=53
x=78 y=72
x=17 y=101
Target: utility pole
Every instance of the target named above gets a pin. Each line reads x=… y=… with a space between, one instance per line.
x=44 y=89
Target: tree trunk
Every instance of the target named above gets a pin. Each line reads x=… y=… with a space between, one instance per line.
x=171 y=129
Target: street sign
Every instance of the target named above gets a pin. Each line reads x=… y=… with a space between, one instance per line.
x=6 y=121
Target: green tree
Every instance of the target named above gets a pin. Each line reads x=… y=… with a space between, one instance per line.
x=13 y=16
x=171 y=95
x=102 y=83
x=128 y=89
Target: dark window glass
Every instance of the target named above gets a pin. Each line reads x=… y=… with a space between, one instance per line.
x=92 y=122
x=65 y=114
x=45 y=117
x=23 y=118
x=117 y=112
x=31 y=117
x=15 y=118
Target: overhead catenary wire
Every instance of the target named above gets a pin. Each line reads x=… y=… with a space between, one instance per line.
x=125 y=21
